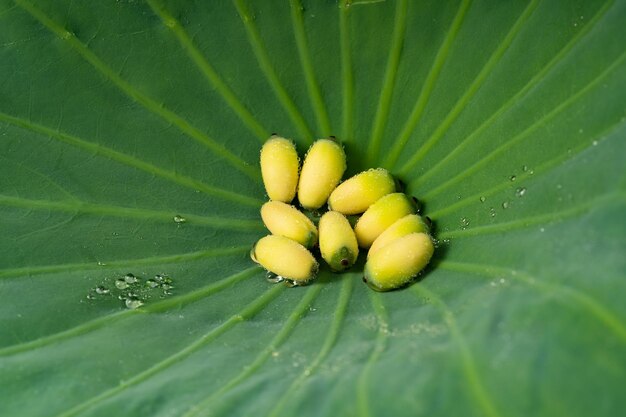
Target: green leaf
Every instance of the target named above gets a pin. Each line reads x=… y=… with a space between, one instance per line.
x=129 y=143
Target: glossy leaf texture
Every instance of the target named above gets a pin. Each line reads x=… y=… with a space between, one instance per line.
x=129 y=143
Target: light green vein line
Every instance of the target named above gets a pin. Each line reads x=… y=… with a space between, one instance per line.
x=536 y=79
x=595 y=307
x=473 y=88
x=347 y=78
x=389 y=81
x=250 y=310
x=208 y=71
x=34 y=173
x=532 y=220
x=151 y=105
x=307 y=66
x=292 y=321
x=429 y=85
x=110 y=319
x=526 y=132
x=470 y=370
x=536 y=172
x=329 y=342
x=362 y=383
x=153 y=260
x=79 y=207
x=265 y=64
x=128 y=160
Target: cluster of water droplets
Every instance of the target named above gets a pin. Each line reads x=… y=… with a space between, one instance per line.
x=275 y=279
x=133 y=291
x=519 y=193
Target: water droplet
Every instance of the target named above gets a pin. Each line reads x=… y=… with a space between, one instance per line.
x=505 y=205
x=131 y=279
x=513 y=178
x=166 y=287
x=464 y=223
x=482 y=199
x=492 y=212
x=121 y=284
x=152 y=283
x=90 y=296
x=273 y=278
x=252 y=256
x=275 y=354
x=133 y=303
x=291 y=283
x=100 y=289
x=594 y=143
x=166 y=292
x=542 y=230
x=525 y=168
x=559 y=186
x=531 y=172
x=179 y=219
x=101 y=263
x=520 y=192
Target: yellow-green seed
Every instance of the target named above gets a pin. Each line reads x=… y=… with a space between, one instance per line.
x=411 y=223
x=356 y=194
x=322 y=169
x=380 y=215
x=285 y=257
x=285 y=220
x=397 y=263
x=338 y=243
x=279 y=168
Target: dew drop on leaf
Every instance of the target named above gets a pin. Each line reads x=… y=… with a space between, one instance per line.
x=131 y=279
x=133 y=303
x=102 y=290
x=121 y=284
x=273 y=278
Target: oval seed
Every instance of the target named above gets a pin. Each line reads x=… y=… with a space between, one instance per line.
x=356 y=194
x=285 y=220
x=338 y=243
x=279 y=168
x=398 y=262
x=380 y=216
x=322 y=169
x=411 y=223
x=285 y=257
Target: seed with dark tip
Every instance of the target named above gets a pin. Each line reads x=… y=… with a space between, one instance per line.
x=429 y=221
x=365 y=280
x=345 y=262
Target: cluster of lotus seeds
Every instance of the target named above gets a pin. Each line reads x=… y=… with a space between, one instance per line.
x=397 y=238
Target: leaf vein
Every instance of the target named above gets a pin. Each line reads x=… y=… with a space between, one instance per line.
x=254 y=38
x=142 y=99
